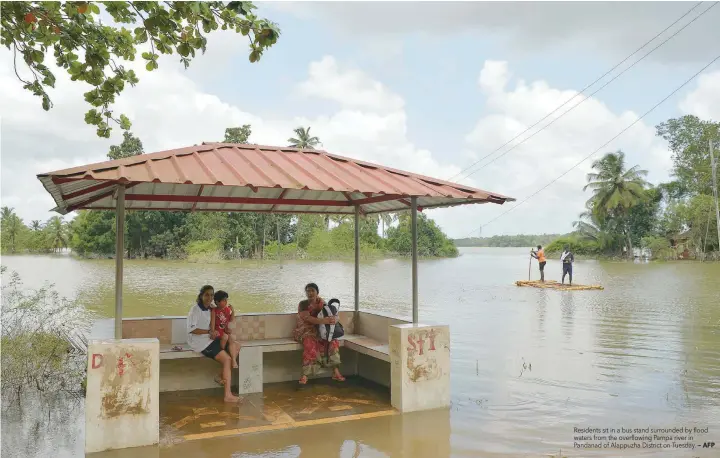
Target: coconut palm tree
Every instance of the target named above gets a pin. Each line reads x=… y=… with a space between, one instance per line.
x=35 y=225
x=615 y=191
x=6 y=213
x=11 y=227
x=57 y=233
x=590 y=227
x=303 y=140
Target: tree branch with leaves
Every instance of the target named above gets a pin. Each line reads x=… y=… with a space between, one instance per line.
x=89 y=50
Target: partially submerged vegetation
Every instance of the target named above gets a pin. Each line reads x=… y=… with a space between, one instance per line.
x=215 y=236
x=671 y=220
x=43 y=342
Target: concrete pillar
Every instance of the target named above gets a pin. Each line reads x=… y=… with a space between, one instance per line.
x=250 y=373
x=419 y=366
x=122 y=408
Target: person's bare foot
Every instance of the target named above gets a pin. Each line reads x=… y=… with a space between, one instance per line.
x=303 y=380
x=235 y=365
x=231 y=398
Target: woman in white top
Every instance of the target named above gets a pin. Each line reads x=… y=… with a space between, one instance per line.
x=204 y=340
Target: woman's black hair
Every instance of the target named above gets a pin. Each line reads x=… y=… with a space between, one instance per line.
x=220 y=295
x=202 y=291
x=313 y=286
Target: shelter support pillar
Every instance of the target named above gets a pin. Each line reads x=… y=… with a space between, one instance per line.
x=357 y=260
x=122 y=407
x=419 y=366
x=119 y=255
x=414 y=260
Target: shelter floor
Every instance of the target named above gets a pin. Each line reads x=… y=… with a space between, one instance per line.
x=202 y=414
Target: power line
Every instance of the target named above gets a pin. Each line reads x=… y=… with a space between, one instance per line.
x=583 y=90
x=603 y=145
x=592 y=94
x=598 y=90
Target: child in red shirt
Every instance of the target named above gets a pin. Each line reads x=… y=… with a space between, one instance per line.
x=220 y=318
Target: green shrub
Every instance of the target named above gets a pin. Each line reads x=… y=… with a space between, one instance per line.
x=205 y=251
x=659 y=247
x=432 y=242
x=578 y=245
x=43 y=341
x=275 y=250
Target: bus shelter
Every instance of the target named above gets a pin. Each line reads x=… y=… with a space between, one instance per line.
x=223 y=177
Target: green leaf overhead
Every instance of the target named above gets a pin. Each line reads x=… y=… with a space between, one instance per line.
x=92 y=51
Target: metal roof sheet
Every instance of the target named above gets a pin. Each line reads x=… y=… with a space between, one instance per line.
x=254 y=178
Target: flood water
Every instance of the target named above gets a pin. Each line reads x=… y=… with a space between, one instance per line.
x=528 y=365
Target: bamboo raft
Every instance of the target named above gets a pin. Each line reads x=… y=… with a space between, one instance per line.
x=552 y=284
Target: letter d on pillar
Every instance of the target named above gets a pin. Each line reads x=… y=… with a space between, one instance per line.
x=122 y=406
x=97 y=361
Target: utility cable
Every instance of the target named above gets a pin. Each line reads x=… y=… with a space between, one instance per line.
x=598 y=90
x=602 y=146
x=583 y=90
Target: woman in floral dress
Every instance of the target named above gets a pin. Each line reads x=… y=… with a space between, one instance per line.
x=316 y=353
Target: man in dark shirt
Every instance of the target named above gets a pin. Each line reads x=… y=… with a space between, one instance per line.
x=567 y=259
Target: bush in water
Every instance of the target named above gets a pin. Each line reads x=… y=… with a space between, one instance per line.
x=43 y=341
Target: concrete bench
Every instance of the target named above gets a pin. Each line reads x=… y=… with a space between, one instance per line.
x=267 y=352
x=359 y=343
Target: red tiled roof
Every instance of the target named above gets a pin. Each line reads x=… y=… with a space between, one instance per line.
x=254 y=178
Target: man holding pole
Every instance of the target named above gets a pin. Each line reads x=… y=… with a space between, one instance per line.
x=540 y=256
x=567 y=259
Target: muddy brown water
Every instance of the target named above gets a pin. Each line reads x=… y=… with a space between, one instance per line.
x=528 y=365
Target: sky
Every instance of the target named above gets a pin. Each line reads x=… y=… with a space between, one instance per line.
x=426 y=87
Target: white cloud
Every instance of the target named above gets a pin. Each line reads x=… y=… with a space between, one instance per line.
x=609 y=27
x=704 y=100
x=494 y=76
x=528 y=167
x=349 y=87
x=169 y=110
x=372 y=122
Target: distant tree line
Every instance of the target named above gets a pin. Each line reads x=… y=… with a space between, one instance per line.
x=504 y=241
x=216 y=235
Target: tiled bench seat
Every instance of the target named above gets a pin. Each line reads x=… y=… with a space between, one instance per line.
x=267 y=354
x=359 y=343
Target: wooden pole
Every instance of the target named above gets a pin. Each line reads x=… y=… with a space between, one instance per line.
x=529 y=267
x=119 y=254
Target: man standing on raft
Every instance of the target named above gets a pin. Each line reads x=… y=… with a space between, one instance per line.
x=540 y=256
x=567 y=259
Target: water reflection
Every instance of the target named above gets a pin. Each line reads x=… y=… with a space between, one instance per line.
x=541 y=307
x=567 y=302
x=420 y=434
